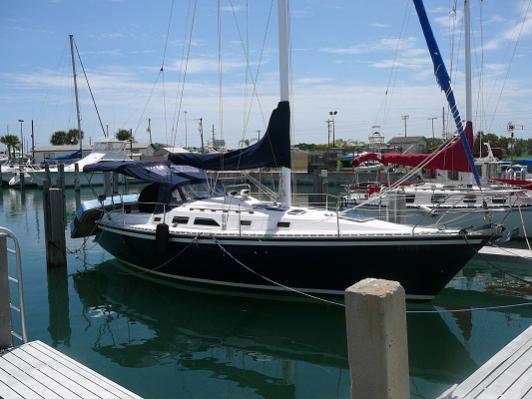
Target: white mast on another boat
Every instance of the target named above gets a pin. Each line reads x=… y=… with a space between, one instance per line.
x=468 y=88
x=285 y=187
x=76 y=93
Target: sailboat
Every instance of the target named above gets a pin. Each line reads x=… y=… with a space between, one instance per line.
x=189 y=229
x=442 y=201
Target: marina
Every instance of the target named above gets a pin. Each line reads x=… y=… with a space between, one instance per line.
x=241 y=269
x=159 y=339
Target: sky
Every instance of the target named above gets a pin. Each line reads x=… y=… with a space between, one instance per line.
x=367 y=60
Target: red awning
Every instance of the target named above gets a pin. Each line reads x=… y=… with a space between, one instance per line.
x=451 y=157
x=527 y=184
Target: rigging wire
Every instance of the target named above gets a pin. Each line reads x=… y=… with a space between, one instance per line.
x=525 y=16
x=90 y=90
x=384 y=106
x=162 y=68
x=253 y=78
x=184 y=69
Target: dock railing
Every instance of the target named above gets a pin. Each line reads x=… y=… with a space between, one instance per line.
x=6 y=306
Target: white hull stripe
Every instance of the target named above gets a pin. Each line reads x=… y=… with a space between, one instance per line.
x=281 y=242
x=254 y=286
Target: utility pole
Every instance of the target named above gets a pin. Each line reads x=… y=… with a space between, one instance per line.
x=258 y=135
x=328 y=122
x=186 y=141
x=333 y=114
x=443 y=122
x=21 y=139
x=106 y=130
x=511 y=127
x=213 y=138
x=76 y=92
x=32 y=143
x=405 y=118
x=200 y=130
x=149 y=130
x=131 y=143
x=431 y=119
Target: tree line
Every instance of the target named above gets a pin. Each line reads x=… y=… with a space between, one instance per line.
x=71 y=137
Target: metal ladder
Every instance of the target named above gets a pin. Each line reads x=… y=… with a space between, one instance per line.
x=22 y=336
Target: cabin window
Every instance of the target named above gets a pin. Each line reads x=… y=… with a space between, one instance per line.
x=157 y=219
x=283 y=224
x=296 y=212
x=470 y=199
x=410 y=198
x=245 y=223
x=498 y=200
x=180 y=219
x=197 y=191
x=452 y=175
x=205 y=222
x=438 y=198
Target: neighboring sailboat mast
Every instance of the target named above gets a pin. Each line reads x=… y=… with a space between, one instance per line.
x=76 y=92
x=469 y=101
x=285 y=187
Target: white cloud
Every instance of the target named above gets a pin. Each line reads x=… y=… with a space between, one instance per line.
x=379 y=25
x=369 y=47
x=233 y=8
x=108 y=35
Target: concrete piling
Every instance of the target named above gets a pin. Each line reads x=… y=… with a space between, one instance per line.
x=5 y=310
x=377 y=340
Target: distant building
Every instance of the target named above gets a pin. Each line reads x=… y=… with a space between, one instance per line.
x=43 y=152
x=409 y=144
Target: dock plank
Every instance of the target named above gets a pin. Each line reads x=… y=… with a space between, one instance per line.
x=17 y=389
x=69 y=376
x=23 y=372
x=36 y=371
x=508 y=374
x=98 y=379
x=521 y=388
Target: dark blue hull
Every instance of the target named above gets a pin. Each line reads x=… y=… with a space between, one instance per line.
x=313 y=265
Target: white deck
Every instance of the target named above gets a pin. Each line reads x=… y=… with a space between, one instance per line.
x=35 y=370
x=507 y=375
x=503 y=254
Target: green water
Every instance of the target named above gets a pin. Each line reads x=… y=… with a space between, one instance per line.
x=167 y=342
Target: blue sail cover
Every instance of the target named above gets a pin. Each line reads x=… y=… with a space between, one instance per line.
x=272 y=150
x=162 y=172
x=67 y=157
x=442 y=76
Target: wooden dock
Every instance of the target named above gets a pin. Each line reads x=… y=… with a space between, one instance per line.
x=507 y=375
x=36 y=371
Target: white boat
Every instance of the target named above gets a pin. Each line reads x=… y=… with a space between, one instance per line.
x=103 y=149
x=187 y=229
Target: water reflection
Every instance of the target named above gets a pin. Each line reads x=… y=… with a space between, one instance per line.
x=58 y=306
x=270 y=347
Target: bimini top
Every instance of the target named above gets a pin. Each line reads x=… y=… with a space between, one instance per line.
x=163 y=172
x=273 y=150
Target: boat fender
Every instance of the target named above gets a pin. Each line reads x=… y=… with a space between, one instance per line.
x=162 y=234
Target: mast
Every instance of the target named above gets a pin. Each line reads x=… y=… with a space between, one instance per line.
x=76 y=92
x=467 y=28
x=285 y=187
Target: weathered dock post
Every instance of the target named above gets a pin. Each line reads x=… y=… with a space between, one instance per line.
x=54 y=227
x=76 y=177
x=376 y=340
x=5 y=309
x=61 y=176
x=48 y=179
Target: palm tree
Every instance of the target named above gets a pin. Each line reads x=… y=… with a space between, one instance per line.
x=11 y=142
x=123 y=135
